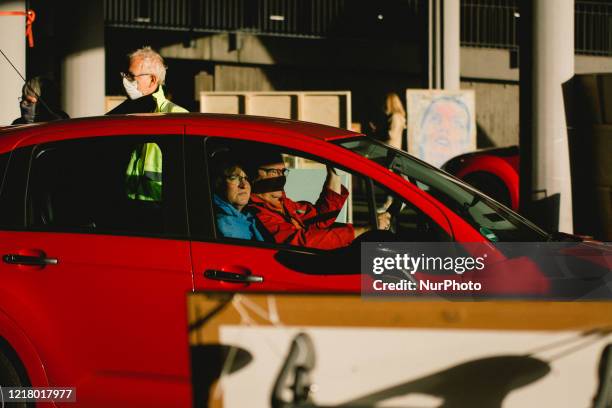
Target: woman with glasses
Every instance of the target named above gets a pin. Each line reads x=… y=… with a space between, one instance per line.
x=232 y=192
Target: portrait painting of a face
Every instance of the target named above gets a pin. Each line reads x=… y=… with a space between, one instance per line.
x=441 y=124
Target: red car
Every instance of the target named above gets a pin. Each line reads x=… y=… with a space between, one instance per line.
x=93 y=284
x=494 y=171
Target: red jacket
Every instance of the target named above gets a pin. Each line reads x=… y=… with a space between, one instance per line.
x=304 y=224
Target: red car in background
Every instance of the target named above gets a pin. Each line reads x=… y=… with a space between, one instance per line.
x=493 y=171
x=93 y=284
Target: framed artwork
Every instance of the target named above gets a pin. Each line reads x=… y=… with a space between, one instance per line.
x=441 y=124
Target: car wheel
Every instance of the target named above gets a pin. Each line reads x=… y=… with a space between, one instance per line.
x=491 y=185
x=9 y=377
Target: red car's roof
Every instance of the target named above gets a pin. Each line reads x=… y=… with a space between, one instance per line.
x=276 y=125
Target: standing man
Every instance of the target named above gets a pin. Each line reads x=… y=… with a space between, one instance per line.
x=143 y=84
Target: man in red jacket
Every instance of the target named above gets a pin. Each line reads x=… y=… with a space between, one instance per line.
x=301 y=223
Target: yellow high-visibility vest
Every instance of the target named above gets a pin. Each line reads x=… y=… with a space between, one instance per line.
x=144 y=171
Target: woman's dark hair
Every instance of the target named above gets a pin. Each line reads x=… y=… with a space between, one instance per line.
x=259 y=157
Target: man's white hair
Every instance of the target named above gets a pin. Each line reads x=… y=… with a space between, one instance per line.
x=152 y=62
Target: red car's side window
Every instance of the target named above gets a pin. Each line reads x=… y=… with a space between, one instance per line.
x=267 y=193
x=247 y=191
x=121 y=185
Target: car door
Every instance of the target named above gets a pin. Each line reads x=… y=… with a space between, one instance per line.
x=232 y=264
x=95 y=280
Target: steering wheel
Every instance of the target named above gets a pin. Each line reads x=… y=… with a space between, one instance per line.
x=423 y=228
x=394 y=210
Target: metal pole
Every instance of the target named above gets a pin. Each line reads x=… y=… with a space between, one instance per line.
x=437 y=45
x=430 y=44
x=525 y=37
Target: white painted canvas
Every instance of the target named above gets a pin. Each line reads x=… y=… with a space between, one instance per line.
x=422 y=367
x=441 y=124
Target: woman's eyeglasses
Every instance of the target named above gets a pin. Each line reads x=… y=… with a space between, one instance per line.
x=236 y=179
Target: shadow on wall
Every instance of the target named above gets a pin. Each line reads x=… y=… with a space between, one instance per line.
x=285 y=64
x=483 y=140
x=481 y=383
x=371 y=48
x=208 y=364
x=484 y=382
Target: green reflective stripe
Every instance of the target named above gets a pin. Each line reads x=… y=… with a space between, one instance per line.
x=142 y=189
x=144 y=173
x=154 y=176
x=164 y=105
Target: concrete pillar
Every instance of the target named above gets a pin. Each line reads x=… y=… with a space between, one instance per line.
x=553 y=64
x=444 y=44
x=434 y=55
x=451 y=17
x=83 y=66
x=13 y=43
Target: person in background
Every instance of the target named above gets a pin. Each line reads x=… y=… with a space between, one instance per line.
x=39 y=102
x=390 y=123
x=393 y=128
x=301 y=223
x=232 y=193
x=143 y=83
x=396 y=119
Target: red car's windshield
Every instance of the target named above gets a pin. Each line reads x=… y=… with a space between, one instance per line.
x=494 y=221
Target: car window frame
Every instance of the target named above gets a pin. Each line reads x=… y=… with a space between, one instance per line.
x=4 y=161
x=176 y=208
x=203 y=228
x=14 y=187
x=209 y=233
x=202 y=223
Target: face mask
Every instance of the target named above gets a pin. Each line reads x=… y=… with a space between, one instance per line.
x=131 y=88
x=28 y=112
x=268 y=185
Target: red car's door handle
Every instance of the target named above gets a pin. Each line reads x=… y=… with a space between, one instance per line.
x=15 y=259
x=232 y=276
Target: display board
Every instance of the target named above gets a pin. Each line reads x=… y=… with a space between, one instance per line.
x=441 y=124
x=399 y=354
x=331 y=108
x=111 y=102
